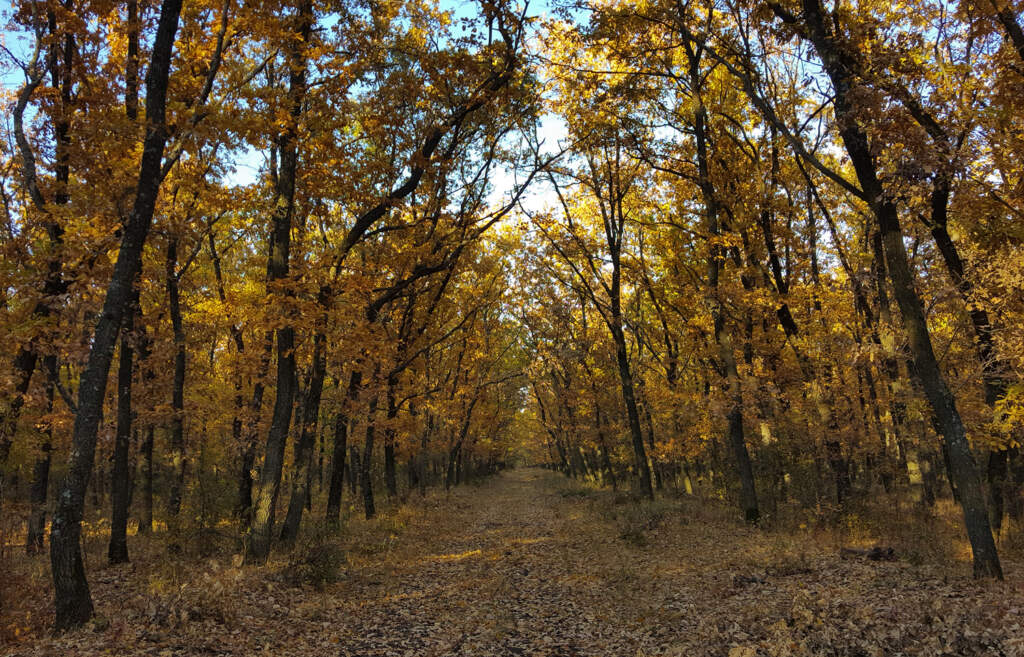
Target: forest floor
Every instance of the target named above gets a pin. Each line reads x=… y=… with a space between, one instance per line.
x=528 y=563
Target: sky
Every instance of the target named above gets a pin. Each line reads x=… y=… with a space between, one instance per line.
x=248 y=162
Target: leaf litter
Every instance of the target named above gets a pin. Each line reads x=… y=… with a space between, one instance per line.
x=518 y=566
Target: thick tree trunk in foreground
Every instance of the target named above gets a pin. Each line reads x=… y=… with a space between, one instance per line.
x=121 y=476
x=72 y=598
x=963 y=469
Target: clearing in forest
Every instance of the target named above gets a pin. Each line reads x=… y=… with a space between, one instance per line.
x=530 y=563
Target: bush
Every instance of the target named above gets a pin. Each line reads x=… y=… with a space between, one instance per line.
x=634 y=521
x=575 y=493
x=207 y=598
x=318 y=565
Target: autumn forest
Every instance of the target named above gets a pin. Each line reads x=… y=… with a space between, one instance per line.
x=523 y=319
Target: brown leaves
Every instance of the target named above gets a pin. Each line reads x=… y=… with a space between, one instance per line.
x=520 y=567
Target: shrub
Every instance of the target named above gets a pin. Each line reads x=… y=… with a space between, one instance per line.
x=318 y=565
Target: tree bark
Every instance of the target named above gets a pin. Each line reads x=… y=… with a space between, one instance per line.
x=72 y=598
x=365 y=469
x=818 y=30
x=304 y=446
x=390 y=478
x=337 y=483
x=41 y=474
x=628 y=396
x=117 y=550
x=273 y=461
x=177 y=433
x=60 y=66
x=727 y=356
x=120 y=485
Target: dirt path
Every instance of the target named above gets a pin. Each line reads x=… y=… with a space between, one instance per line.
x=529 y=563
x=511 y=575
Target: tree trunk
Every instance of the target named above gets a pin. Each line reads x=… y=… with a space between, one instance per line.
x=117 y=550
x=41 y=475
x=737 y=441
x=146 y=519
x=337 y=482
x=121 y=477
x=629 y=399
x=390 y=478
x=962 y=465
x=365 y=470
x=304 y=446
x=354 y=468
x=71 y=589
x=177 y=433
x=277 y=269
x=24 y=365
x=61 y=62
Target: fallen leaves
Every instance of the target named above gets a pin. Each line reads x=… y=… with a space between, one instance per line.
x=522 y=569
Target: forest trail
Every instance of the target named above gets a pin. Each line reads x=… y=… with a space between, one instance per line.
x=531 y=563
x=513 y=572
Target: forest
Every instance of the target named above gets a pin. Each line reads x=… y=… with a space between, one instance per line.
x=474 y=327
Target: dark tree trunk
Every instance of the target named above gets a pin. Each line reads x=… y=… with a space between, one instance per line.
x=1008 y=19
x=304 y=446
x=422 y=457
x=41 y=475
x=449 y=473
x=737 y=441
x=61 y=60
x=840 y=467
x=246 y=480
x=244 y=501
x=390 y=478
x=658 y=485
x=177 y=433
x=267 y=489
x=40 y=486
x=629 y=399
x=819 y=30
x=117 y=550
x=996 y=471
x=929 y=477
x=602 y=442
x=24 y=365
x=365 y=470
x=72 y=599
x=992 y=366
x=354 y=468
x=337 y=483
x=146 y=449
x=963 y=466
